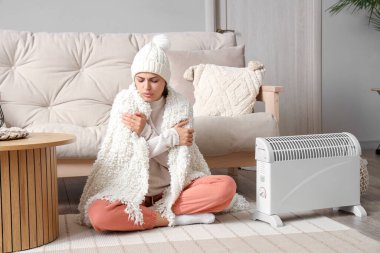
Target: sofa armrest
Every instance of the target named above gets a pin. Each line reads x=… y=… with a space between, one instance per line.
x=270 y=96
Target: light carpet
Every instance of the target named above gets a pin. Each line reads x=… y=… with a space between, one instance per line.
x=303 y=232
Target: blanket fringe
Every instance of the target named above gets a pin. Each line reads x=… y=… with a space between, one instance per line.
x=238 y=204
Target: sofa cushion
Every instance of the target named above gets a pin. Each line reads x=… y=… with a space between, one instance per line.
x=214 y=135
x=181 y=60
x=72 y=78
x=86 y=145
x=225 y=91
x=217 y=135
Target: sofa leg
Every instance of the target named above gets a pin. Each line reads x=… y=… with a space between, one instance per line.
x=233 y=172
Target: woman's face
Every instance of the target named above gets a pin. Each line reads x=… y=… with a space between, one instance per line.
x=150 y=86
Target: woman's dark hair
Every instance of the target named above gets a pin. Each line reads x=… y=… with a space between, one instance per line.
x=166 y=91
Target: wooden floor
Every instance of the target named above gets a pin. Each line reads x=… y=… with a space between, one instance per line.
x=70 y=190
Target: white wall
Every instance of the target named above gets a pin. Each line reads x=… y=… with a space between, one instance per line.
x=350 y=68
x=103 y=15
x=286 y=37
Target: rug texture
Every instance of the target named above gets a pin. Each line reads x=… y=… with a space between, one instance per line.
x=303 y=232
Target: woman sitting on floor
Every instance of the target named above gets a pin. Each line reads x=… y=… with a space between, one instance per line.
x=149 y=172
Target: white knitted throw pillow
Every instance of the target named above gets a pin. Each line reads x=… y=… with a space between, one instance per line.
x=225 y=91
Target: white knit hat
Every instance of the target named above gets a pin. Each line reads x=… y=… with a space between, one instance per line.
x=152 y=58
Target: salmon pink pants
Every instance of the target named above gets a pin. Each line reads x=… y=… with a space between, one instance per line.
x=207 y=194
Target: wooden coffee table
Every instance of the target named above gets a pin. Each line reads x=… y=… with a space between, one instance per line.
x=29 y=195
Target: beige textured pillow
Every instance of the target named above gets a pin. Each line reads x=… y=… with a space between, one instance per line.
x=225 y=91
x=182 y=60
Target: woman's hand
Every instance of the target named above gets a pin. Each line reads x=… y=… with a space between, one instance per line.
x=135 y=122
x=185 y=134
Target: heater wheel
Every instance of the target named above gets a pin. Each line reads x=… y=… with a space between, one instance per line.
x=274 y=219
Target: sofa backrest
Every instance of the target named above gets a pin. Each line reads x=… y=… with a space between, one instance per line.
x=73 y=77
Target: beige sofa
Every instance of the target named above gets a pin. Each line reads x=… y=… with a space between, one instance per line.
x=66 y=82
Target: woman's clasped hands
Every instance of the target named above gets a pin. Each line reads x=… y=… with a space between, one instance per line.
x=185 y=134
x=136 y=123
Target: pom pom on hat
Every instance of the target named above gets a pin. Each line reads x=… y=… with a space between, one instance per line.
x=162 y=41
x=152 y=58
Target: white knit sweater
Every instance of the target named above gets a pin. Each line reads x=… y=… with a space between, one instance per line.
x=120 y=171
x=158 y=144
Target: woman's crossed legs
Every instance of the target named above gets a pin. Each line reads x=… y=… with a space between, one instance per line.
x=208 y=194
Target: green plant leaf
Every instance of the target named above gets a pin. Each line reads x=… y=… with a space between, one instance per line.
x=375 y=19
x=371 y=6
x=355 y=4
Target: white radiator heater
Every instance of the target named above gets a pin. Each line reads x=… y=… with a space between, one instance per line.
x=306 y=172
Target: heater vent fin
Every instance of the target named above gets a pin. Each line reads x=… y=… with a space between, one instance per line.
x=312 y=146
